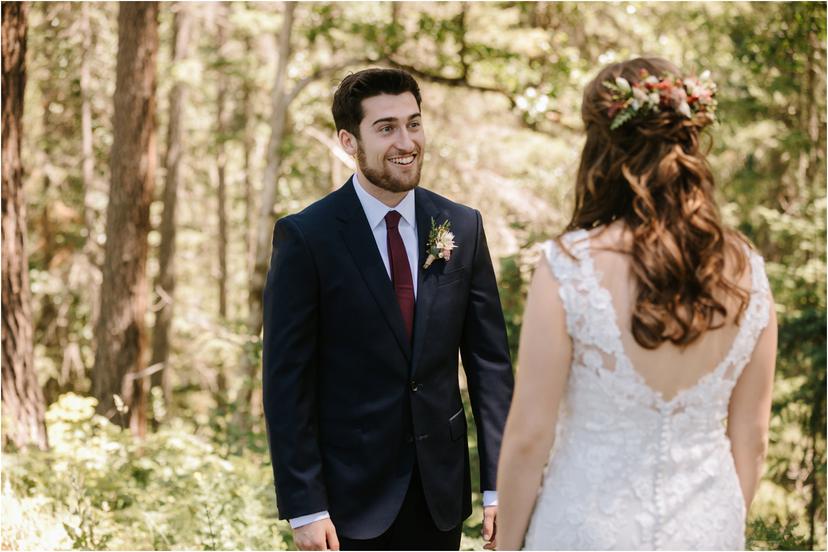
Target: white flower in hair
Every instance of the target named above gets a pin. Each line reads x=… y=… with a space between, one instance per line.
x=622 y=84
x=640 y=97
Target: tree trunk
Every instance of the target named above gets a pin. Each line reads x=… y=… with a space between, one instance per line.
x=92 y=251
x=47 y=233
x=279 y=103
x=249 y=148
x=815 y=124
x=165 y=282
x=120 y=331
x=87 y=155
x=23 y=406
x=221 y=163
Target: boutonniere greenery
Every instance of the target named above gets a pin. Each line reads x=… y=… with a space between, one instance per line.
x=440 y=243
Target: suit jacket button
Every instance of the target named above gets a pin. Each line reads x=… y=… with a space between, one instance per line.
x=414 y=386
x=409 y=438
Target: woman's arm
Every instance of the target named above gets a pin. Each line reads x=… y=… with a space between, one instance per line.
x=545 y=355
x=749 y=411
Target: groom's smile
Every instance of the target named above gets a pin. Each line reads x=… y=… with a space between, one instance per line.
x=391 y=142
x=403 y=160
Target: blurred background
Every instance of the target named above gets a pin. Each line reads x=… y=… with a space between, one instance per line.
x=154 y=146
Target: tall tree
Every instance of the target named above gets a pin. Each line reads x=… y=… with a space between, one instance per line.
x=23 y=408
x=87 y=154
x=92 y=253
x=165 y=282
x=280 y=100
x=221 y=166
x=249 y=146
x=120 y=331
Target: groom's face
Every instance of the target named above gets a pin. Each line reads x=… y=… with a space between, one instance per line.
x=392 y=141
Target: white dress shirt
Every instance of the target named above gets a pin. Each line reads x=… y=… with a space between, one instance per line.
x=375 y=212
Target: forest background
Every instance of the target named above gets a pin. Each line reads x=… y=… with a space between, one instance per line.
x=154 y=146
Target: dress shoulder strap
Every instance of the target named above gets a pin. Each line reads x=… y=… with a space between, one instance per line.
x=754 y=319
x=565 y=257
x=590 y=319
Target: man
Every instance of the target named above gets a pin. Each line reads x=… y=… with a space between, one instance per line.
x=362 y=327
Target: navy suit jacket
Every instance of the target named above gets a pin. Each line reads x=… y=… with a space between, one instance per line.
x=350 y=403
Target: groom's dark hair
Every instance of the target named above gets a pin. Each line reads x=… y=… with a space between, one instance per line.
x=347 y=102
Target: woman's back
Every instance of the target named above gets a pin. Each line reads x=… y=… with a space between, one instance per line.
x=669 y=368
x=641 y=458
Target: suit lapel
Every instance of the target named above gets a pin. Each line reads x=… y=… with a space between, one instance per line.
x=360 y=242
x=426 y=279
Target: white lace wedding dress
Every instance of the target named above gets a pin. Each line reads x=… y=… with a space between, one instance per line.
x=630 y=470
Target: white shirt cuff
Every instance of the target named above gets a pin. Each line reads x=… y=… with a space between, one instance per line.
x=489 y=498
x=296 y=523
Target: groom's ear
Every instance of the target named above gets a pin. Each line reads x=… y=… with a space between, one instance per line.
x=348 y=142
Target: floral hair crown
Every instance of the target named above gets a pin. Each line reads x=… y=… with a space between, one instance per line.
x=652 y=94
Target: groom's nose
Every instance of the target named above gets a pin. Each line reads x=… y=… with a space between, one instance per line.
x=404 y=142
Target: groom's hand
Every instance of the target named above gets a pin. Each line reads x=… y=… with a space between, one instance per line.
x=319 y=535
x=490 y=527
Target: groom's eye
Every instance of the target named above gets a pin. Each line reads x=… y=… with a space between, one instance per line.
x=385 y=129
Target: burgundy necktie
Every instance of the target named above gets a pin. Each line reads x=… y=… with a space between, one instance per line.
x=400 y=270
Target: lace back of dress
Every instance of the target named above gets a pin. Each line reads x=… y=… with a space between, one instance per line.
x=630 y=470
x=596 y=338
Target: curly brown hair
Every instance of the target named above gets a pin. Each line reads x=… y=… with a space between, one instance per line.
x=652 y=174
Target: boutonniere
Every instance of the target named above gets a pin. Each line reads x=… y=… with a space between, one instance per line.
x=440 y=243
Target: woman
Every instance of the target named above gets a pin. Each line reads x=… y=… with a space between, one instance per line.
x=648 y=324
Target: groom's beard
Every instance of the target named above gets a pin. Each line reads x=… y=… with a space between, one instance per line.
x=383 y=178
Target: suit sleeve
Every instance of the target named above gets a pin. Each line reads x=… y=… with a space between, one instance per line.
x=485 y=353
x=289 y=359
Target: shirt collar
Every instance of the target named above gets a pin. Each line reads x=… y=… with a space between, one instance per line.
x=375 y=210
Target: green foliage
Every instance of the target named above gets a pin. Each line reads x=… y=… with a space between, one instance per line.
x=774 y=536
x=513 y=284
x=174 y=490
x=84 y=533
